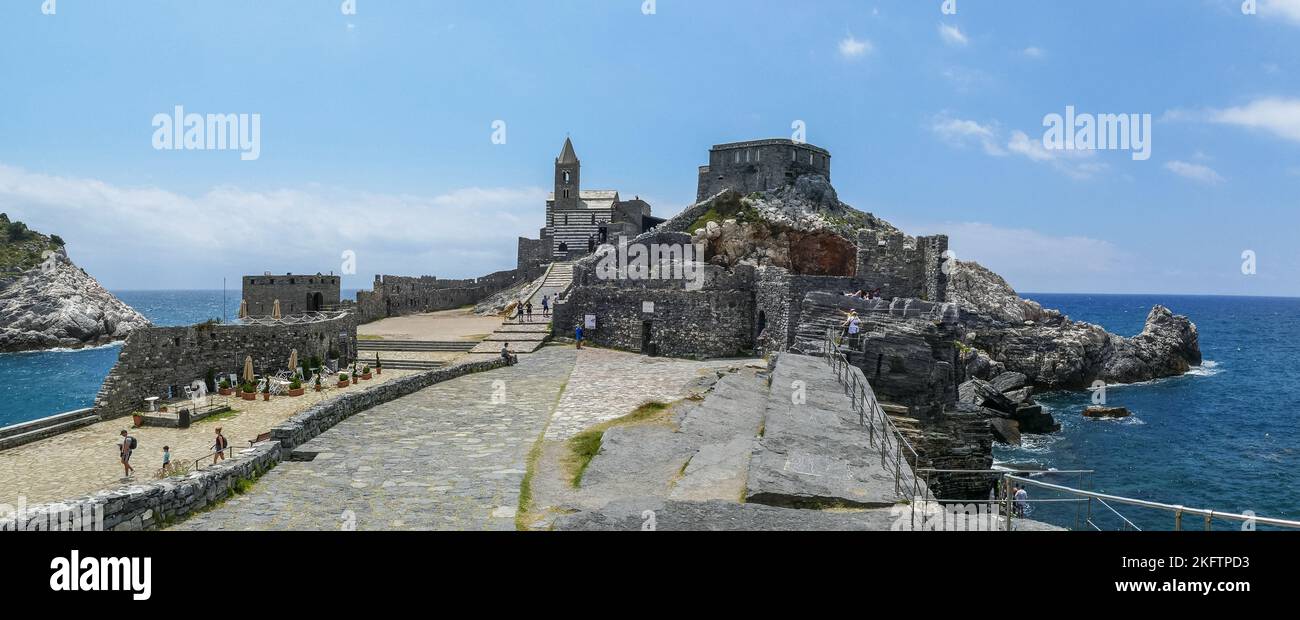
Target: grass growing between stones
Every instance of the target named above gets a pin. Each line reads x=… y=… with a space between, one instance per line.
x=585 y=445
x=523 y=513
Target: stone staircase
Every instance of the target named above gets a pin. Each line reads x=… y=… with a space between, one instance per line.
x=27 y=432
x=528 y=337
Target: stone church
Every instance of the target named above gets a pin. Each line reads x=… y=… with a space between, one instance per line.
x=580 y=220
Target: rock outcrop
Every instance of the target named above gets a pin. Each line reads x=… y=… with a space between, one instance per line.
x=58 y=305
x=1055 y=352
x=1063 y=354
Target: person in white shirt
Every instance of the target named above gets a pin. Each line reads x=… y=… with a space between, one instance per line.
x=124 y=451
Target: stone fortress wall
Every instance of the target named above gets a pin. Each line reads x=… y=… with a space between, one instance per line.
x=901 y=266
x=401 y=295
x=161 y=360
x=297 y=293
x=760 y=165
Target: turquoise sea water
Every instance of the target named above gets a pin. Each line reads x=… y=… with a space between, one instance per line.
x=1225 y=436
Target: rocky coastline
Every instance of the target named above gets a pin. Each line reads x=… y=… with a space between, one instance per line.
x=58 y=305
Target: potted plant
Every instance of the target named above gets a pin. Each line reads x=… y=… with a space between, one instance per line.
x=224 y=389
x=334 y=357
x=138 y=419
x=266 y=391
x=343 y=380
x=248 y=391
x=295 y=387
x=365 y=373
x=379 y=365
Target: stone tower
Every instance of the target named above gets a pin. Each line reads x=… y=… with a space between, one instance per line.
x=568 y=174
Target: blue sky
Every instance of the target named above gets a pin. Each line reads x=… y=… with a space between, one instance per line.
x=376 y=128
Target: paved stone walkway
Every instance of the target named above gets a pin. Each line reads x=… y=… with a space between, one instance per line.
x=609 y=384
x=85 y=460
x=448 y=457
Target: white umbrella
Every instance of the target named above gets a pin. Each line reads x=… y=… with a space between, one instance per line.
x=275 y=310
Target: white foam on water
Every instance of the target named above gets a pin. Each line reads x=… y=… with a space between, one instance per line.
x=110 y=345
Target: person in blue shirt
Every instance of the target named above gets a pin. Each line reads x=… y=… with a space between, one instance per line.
x=577 y=335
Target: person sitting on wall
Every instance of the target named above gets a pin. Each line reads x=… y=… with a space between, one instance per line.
x=510 y=359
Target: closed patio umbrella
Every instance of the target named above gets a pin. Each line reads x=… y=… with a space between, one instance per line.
x=248 y=369
x=243 y=309
x=293 y=361
x=275 y=310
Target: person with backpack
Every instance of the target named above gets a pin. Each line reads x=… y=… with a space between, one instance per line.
x=219 y=447
x=124 y=447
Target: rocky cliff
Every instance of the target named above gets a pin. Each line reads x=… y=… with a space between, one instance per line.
x=1010 y=333
x=47 y=302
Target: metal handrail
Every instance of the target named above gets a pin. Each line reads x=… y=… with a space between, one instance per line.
x=870 y=413
x=1179 y=511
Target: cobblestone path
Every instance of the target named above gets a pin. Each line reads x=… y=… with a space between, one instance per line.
x=449 y=457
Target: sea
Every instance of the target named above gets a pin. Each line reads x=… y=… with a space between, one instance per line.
x=1225 y=436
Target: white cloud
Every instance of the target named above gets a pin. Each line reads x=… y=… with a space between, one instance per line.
x=1288 y=10
x=1033 y=52
x=1077 y=164
x=960 y=132
x=148 y=237
x=852 y=47
x=1275 y=115
x=1196 y=172
x=952 y=35
x=1035 y=261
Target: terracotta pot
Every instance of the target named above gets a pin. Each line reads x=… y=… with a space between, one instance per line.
x=367 y=377
x=266 y=396
x=319 y=388
x=248 y=395
x=138 y=419
x=379 y=371
x=297 y=392
x=163 y=410
x=344 y=384
x=225 y=391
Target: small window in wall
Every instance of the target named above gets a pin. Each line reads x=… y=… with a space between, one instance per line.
x=566 y=177
x=737 y=156
x=746 y=155
x=758 y=155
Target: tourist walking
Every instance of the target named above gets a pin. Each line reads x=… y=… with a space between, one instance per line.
x=124 y=447
x=1022 y=501
x=577 y=335
x=219 y=447
x=852 y=326
x=528 y=310
x=546 y=305
x=167 y=460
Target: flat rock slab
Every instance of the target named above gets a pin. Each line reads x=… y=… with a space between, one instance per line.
x=814 y=452
x=642 y=514
x=658 y=514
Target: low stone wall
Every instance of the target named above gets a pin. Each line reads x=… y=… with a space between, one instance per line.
x=307 y=425
x=149 y=506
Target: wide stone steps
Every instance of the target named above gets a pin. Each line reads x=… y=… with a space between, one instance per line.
x=412 y=365
x=27 y=432
x=814 y=453
x=516 y=346
x=414 y=345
